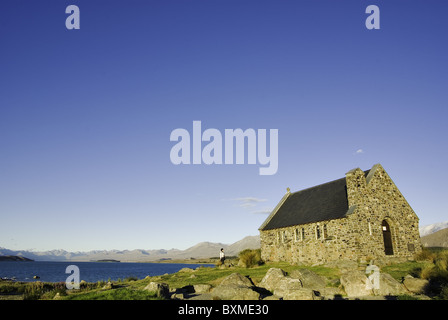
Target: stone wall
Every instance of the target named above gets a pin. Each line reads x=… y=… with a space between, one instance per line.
x=377 y=198
x=358 y=236
x=310 y=243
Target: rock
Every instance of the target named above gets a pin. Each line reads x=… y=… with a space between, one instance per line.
x=161 y=289
x=389 y=286
x=272 y=297
x=354 y=283
x=415 y=285
x=201 y=296
x=272 y=278
x=309 y=279
x=234 y=292
x=186 y=270
x=285 y=285
x=331 y=293
x=57 y=296
x=291 y=287
x=178 y=296
x=299 y=294
x=237 y=279
x=109 y=285
x=235 y=287
x=186 y=289
x=180 y=293
x=202 y=288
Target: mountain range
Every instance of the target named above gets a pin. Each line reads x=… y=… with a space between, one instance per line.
x=431 y=228
x=436 y=239
x=433 y=235
x=200 y=250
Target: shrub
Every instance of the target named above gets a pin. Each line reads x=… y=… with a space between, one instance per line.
x=250 y=258
x=131 y=278
x=425 y=254
x=444 y=293
x=35 y=290
x=436 y=272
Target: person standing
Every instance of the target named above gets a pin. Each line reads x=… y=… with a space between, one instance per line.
x=222 y=256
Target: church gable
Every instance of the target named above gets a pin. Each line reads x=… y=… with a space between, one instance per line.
x=376 y=191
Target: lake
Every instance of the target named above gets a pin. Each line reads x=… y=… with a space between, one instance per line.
x=51 y=271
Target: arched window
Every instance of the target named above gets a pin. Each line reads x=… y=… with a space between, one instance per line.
x=325 y=234
x=387 y=237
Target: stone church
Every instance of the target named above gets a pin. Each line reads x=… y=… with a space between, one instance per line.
x=360 y=217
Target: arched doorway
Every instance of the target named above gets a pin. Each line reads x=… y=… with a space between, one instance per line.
x=387 y=237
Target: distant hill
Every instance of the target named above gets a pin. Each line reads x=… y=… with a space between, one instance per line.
x=431 y=228
x=14 y=258
x=436 y=239
x=249 y=242
x=200 y=250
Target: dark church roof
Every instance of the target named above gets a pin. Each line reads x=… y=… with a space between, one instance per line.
x=327 y=201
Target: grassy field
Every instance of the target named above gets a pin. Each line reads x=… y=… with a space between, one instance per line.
x=431 y=265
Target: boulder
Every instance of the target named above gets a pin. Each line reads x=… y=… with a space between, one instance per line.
x=234 y=292
x=109 y=285
x=415 y=285
x=355 y=283
x=161 y=289
x=272 y=278
x=331 y=293
x=186 y=270
x=235 y=287
x=57 y=296
x=309 y=279
x=272 y=297
x=291 y=287
x=389 y=286
x=202 y=288
x=299 y=294
x=285 y=285
x=178 y=296
x=237 y=279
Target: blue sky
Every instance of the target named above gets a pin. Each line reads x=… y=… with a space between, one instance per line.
x=86 y=115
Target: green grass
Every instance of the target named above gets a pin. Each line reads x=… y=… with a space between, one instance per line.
x=399 y=270
x=114 y=294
